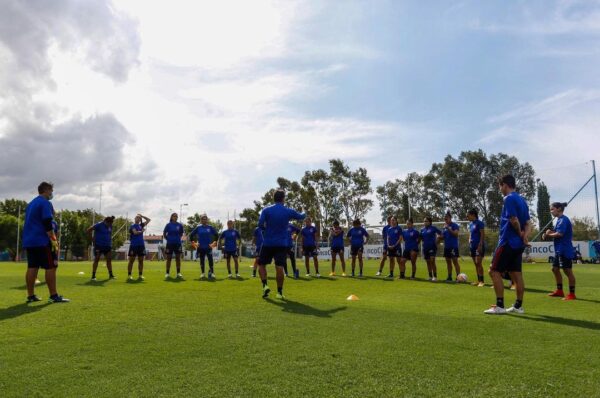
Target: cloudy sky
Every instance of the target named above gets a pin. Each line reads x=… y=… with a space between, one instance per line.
x=207 y=103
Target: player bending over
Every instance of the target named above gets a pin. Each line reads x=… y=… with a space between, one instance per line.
x=358 y=237
x=563 y=250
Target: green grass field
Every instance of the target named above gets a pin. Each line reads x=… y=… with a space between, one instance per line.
x=221 y=339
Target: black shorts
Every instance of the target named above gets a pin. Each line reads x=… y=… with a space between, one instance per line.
x=337 y=250
x=257 y=252
x=356 y=250
x=475 y=253
x=41 y=257
x=385 y=251
x=100 y=250
x=429 y=252
x=203 y=252
x=291 y=252
x=507 y=259
x=268 y=254
x=230 y=253
x=407 y=253
x=173 y=248
x=137 y=251
x=310 y=251
x=393 y=252
x=562 y=262
x=451 y=252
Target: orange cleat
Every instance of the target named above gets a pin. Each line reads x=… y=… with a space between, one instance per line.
x=570 y=296
x=557 y=293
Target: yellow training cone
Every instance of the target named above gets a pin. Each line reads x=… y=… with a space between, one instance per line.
x=352 y=297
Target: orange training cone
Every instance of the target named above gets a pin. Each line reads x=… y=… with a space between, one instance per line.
x=352 y=297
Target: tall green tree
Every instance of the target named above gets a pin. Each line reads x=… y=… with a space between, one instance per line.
x=8 y=234
x=543 y=206
x=12 y=206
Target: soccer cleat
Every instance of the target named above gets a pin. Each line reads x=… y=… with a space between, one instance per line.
x=33 y=298
x=557 y=293
x=280 y=296
x=307 y=275
x=211 y=275
x=434 y=279
x=38 y=282
x=130 y=278
x=495 y=310
x=58 y=299
x=360 y=275
x=167 y=276
x=352 y=274
x=230 y=276
x=266 y=291
x=515 y=310
x=570 y=296
x=202 y=276
x=343 y=274
x=317 y=275
x=179 y=276
x=238 y=276
x=390 y=276
x=332 y=274
x=449 y=279
x=141 y=278
x=94 y=279
x=254 y=275
x=378 y=273
x=481 y=284
x=296 y=274
x=112 y=277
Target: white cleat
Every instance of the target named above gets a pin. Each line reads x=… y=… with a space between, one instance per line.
x=308 y=275
x=201 y=276
x=167 y=276
x=434 y=279
x=130 y=278
x=495 y=310
x=514 y=310
x=141 y=277
x=179 y=276
x=317 y=275
x=378 y=273
x=238 y=276
x=230 y=276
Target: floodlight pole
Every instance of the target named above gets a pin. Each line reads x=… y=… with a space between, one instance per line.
x=596 y=195
x=18 y=233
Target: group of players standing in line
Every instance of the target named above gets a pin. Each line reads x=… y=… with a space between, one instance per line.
x=274 y=240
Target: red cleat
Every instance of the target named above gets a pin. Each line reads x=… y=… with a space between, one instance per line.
x=557 y=293
x=570 y=296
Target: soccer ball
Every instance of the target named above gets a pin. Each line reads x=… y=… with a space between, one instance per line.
x=462 y=278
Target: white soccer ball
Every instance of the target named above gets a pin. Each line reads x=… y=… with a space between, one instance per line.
x=462 y=278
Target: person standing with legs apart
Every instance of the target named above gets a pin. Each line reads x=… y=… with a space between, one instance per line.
x=477 y=244
x=358 y=237
x=450 y=234
x=230 y=240
x=385 y=247
x=336 y=235
x=563 y=250
x=172 y=233
x=515 y=226
x=41 y=244
x=411 y=247
x=102 y=245
x=394 y=247
x=309 y=246
x=137 y=248
x=429 y=235
x=207 y=239
x=274 y=221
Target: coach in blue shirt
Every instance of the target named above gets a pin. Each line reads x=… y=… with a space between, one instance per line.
x=41 y=244
x=274 y=221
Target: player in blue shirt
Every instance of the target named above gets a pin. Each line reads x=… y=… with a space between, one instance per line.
x=230 y=240
x=477 y=243
x=411 y=238
x=257 y=241
x=385 y=248
x=450 y=235
x=310 y=236
x=394 y=245
x=172 y=233
x=102 y=237
x=207 y=237
x=563 y=250
x=429 y=237
x=336 y=237
x=358 y=237
x=274 y=221
x=292 y=231
x=137 y=248
x=515 y=226
x=41 y=244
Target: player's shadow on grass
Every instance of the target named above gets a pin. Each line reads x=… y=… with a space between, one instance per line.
x=95 y=283
x=20 y=309
x=562 y=321
x=294 y=307
x=24 y=287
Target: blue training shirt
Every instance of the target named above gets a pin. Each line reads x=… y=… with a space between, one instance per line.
x=393 y=235
x=231 y=237
x=450 y=241
x=102 y=234
x=292 y=229
x=563 y=246
x=136 y=240
x=357 y=235
x=337 y=238
x=258 y=238
x=206 y=235
x=384 y=235
x=274 y=220
x=34 y=231
x=429 y=235
x=411 y=239
x=514 y=206
x=309 y=235
x=475 y=228
x=173 y=231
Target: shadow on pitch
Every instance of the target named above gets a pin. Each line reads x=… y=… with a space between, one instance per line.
x=96 y=283
x=294 y=307
x=24 y=287
x=562 y=321
x=20 y=309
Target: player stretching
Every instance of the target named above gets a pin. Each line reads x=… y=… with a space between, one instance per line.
x=207 y=239
x=429 y=236
x=102 y=245
x=274 y=221
x=136 y=246
x=41 y=244
x=309 y=246
x=477 y=244
x=515 y=226
x=385 y=247
x=336 y=235
x=172 y=233
x=411 y=247
x=231 y=239
x=450 y=234
x=358 y=237
x=292 y=232
x=257 y=241
x=394 y=247
x=563 y=250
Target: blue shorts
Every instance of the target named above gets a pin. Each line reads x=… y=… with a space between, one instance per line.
x=257 y=251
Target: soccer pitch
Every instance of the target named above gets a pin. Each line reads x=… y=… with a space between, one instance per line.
x=221 y=339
